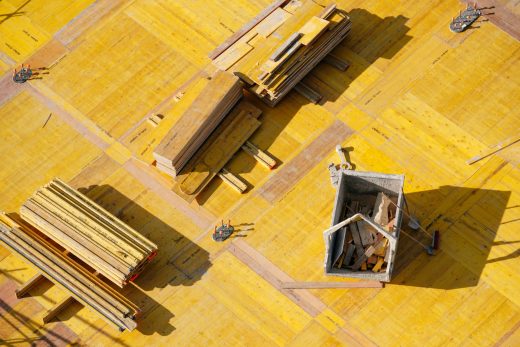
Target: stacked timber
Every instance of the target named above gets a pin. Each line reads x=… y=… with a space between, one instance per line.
x=84 y=286
x=274 y=51
x=197 y=123
x=82 y=227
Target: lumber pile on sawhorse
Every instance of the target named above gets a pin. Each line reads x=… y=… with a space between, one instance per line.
x=274 y=51
x=82 y=285
x=89 y=232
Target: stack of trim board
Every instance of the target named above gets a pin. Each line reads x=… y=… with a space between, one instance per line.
x=197 y=123
x=281 y=45
x=82 y=227
x=82 y=285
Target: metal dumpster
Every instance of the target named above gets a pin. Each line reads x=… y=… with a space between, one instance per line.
x=364 y=186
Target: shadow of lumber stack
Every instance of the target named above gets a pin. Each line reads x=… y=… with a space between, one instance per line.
x=274 y=51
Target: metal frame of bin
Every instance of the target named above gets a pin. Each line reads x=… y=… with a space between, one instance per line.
x=365 y=183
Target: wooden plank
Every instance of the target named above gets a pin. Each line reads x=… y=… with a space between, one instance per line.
x=244 y=29
x=378 y=264
x=307 y=92
x=232 y=180
x=336 y=62
x=362 y=259
x=238 y=126
x=497 y=148
x=259 y=155
x=30 y=284
x=366 y=232
x=65 y=276
x=312 y=29
x=357 y=239
x=57 y=309
x=326 y=285
x=284 y=47
x=232 y=55
x=348 y=256
x=197 y=123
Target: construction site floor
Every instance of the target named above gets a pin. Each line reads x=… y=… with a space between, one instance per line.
x=417 y=100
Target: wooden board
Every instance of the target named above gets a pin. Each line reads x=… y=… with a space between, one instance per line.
x=238 y=126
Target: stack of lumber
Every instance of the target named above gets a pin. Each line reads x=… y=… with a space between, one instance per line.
x=274 y=51
x=88 y=231
x=218 y=149
x=197 y=123
x=360 y=246
x=84 y=286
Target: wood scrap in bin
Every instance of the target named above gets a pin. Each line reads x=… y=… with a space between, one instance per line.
x=366 y=208
x=367 y=248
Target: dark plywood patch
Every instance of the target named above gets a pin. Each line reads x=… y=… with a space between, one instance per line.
x=503 y=15
x=292 y=172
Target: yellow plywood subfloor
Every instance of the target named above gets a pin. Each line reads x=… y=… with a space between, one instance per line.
x=25 y=164
x=28 y=25
x=417 y=100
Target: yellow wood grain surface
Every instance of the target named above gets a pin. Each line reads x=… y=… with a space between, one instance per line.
x=418 y=99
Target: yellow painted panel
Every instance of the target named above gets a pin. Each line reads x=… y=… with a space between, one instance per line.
x=36 y=154
x=19 y=37
x=50 y=15
x=330 y=320
x=267 y=310
x=118 y=152
x=316 y=335
x=354 y=117
x=117 y=92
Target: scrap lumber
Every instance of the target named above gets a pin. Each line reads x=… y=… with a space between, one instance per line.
x=233 y=181
x=57 y=309
x=365 y=233
x=273 y=54
x=30 y=284
x=259 y=155
x=325 y=285
x=88 y=231
x=381 y=209
x=497 y=148
x=348 y=255
x=367 y=247
x=198 y=122
x=93 y=293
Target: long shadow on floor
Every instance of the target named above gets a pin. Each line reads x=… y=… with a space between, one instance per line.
x=370 y=39
x=179 y=261
x=468 y=232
